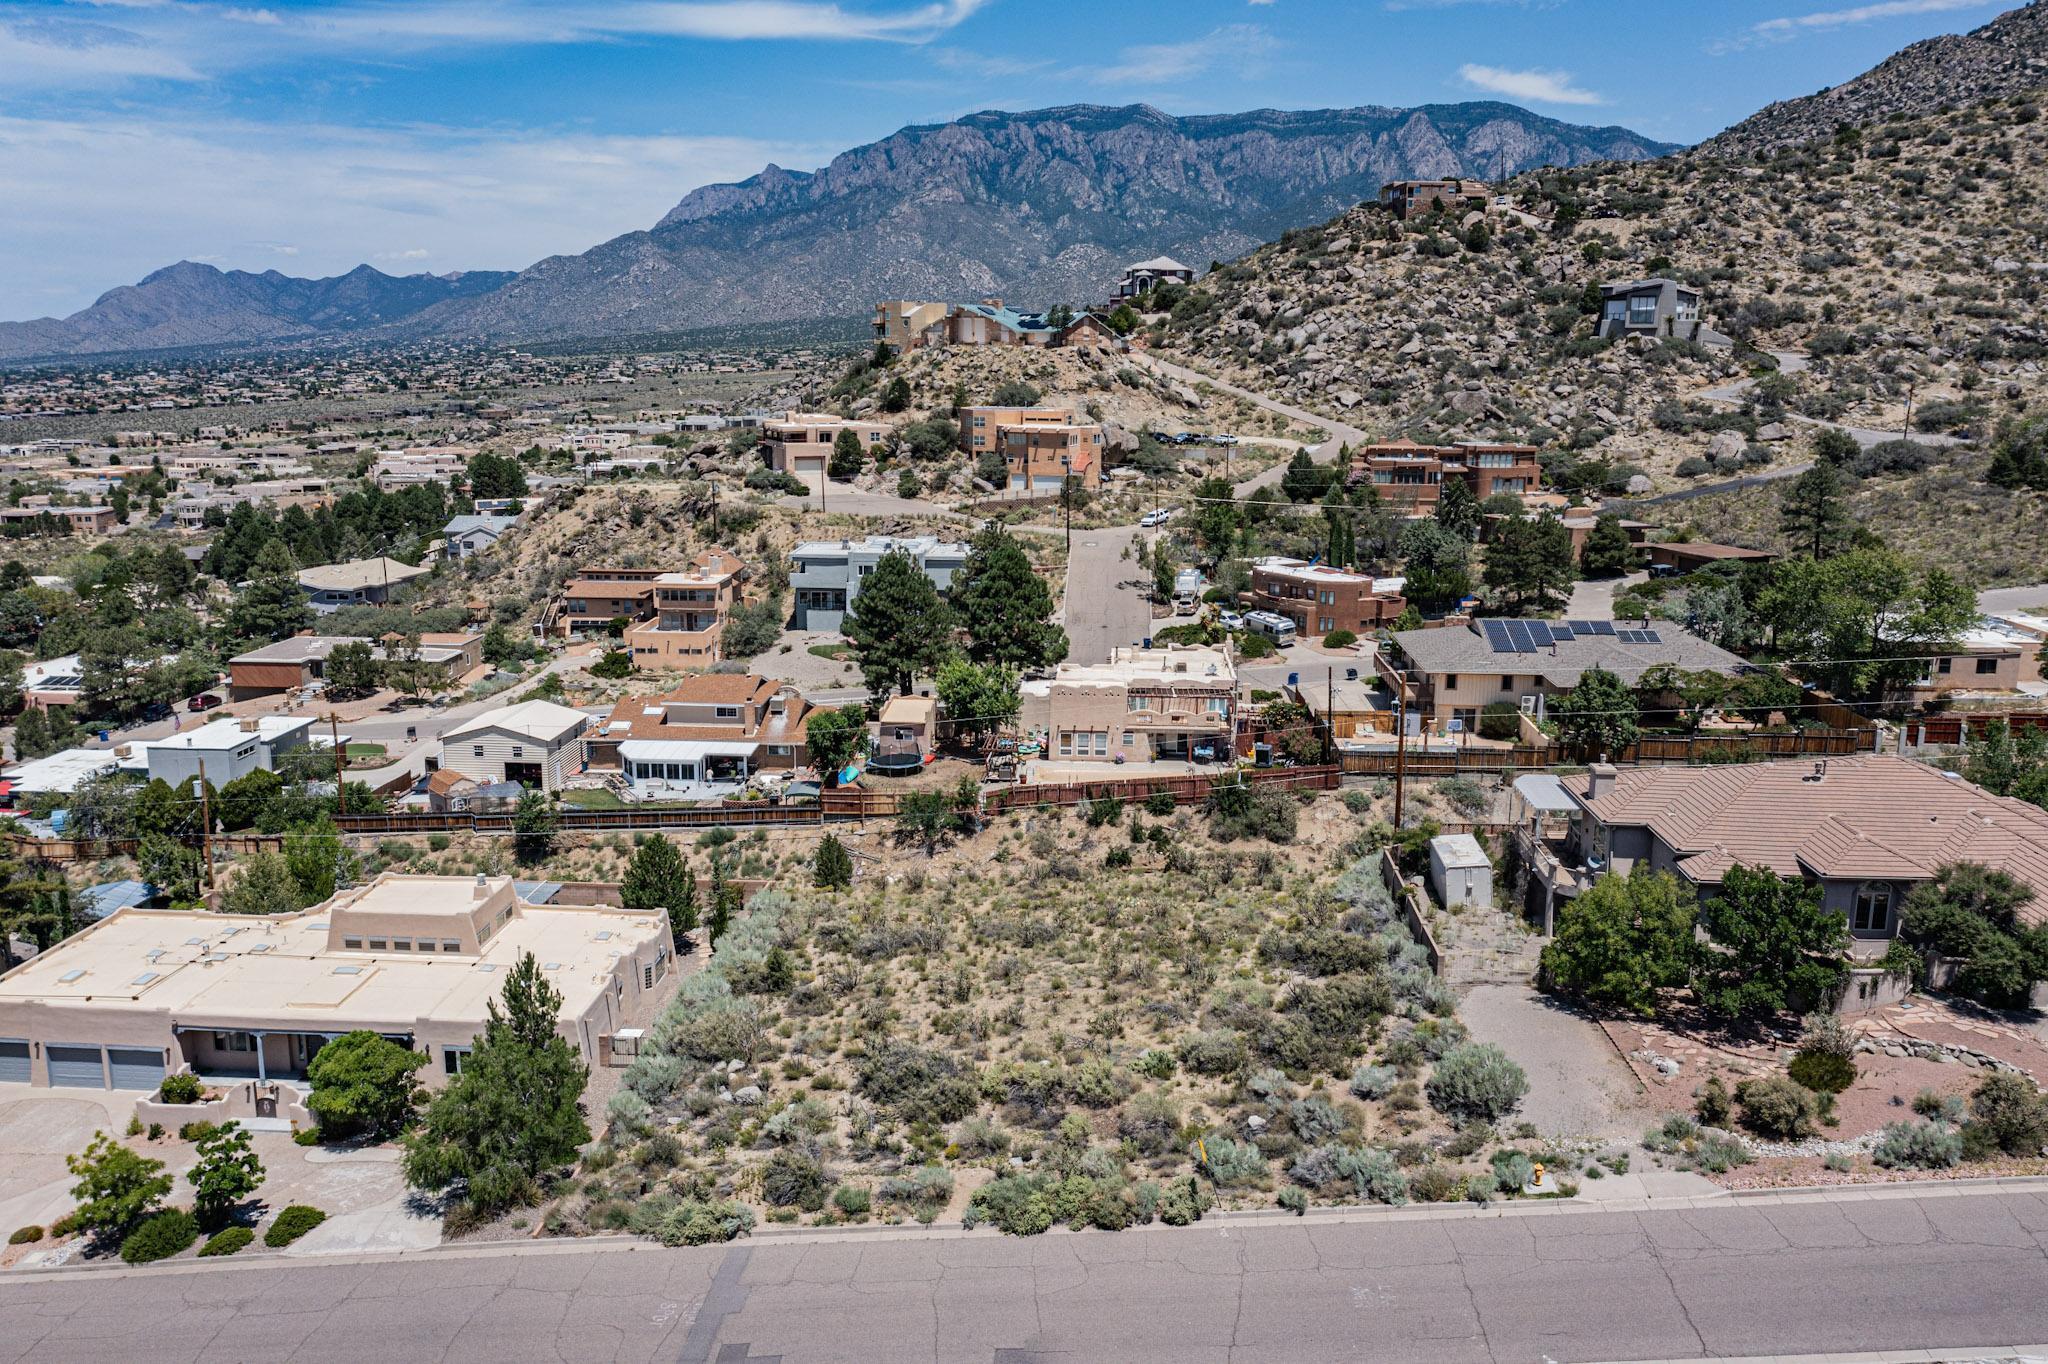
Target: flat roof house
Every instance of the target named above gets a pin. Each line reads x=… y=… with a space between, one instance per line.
x=1453 y=672
x=905 y=324
x=1416 y=198
x=535 y=743
x=687 y=628
x=825 y=575
x=1991 y=656
x=1410 y=477
x=1041 y=458
x=1142 y=705
x=1656 y=307
x=702 y=738
x=360 y=582
x=592 y=603
x=237 y=997
x=981 y=428
x=1320 y=599
x=229 y=748
x=1690 y=556
x=800 y=443
x=1867 y=828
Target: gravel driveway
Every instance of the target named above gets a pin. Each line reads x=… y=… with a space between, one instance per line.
x=1578 y=1087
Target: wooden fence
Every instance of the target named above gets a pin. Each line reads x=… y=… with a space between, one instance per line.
x=1187 y=790
x=1950 y=728
x=92 y=850
x=1651 y=749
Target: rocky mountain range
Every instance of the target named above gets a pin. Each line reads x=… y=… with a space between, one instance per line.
x=2007 y=56
x=1045 y=206
x=193 y=305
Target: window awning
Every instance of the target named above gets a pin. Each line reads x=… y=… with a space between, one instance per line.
x=684 y=750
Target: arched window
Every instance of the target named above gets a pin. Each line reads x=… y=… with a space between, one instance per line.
x=1873 y=909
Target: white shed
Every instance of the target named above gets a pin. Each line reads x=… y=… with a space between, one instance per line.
x=1460 y=871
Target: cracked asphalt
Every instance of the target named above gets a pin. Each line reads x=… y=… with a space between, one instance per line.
x=1919 y=1267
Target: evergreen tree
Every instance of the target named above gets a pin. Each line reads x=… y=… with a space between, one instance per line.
x=848 y=458
x=1770 y=943
x=1340 y=529
x=659 y=878
x=1529 y=561
x=1305 y=480
x=832 y=867
x=1457 y=510
x=1436 y=564
x=226 y=1172
x=1814 y=513
x=1607 y=552
x=534 y=827
x=1004 y=606
x=1835 y=446
x=273 y=606
x=725 y=901
x=2019 y=459
x=318 y=862
x=512 y=1115
x=899 y=625
x=896 y=397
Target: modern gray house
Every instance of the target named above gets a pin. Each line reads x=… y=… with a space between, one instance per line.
x=826 y=575
x=1656 y=307
x=467 y=535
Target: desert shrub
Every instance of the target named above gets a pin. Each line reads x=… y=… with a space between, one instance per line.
x=1339 y=639
x=1017 y=1205
x=692 y=1222
x=1719 y=1152
x=1229 y=1163
x=227 y=1241
x=1178 y=1202
x=1692 y=466
x=160 y=1236
x=1676 y=1132
x=1822 y=1072
x=1160 y=804
x=294 y=1222
x=1360 y=1172
x=1500 y=721
x=1918 y=1144
x=851 y=1200
x=1466 y=796
x=1240 y=811
x=927 y=1188
x=1373 y=1082
x=1156 y=1064
x=2008 y=1110
x=25 y=1235
x=978 y=1137
x=1220 y=1052
x=182 y=1088
x=1715 y=1105
x=1777 y=1107
x=1105 y=810
x=1313 y=1119
x=626 y=1111
x=794 y=1179
x=196 y=1131
x=1513 y=1170
x=1434 y=1183
x=1292 y=1199
x=1096 y=1083
x=1947 y=1107
x=1150 y=1121
x=917 y=1085
x=1476 y=1082
x=1480 y=1188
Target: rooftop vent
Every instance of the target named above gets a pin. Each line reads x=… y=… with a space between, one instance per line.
x=69 y=976
x=145 y=978
x=348 y=970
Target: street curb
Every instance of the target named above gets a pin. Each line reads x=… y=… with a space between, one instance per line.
x=1959 y=1354
x=1224 y=1222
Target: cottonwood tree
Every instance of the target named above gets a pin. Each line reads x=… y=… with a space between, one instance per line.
x=836 y=740
x=1597 y=717
x=979 y=700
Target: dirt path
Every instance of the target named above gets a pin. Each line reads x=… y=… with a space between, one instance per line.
x=1578 y=1087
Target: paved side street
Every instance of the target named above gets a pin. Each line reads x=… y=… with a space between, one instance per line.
x=1872 y=1269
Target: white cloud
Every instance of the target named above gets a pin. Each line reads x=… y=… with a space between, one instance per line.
x=1241 y=45
x=42 y=54
x=1861 y=14
x=100 y=202
x=1540 y=87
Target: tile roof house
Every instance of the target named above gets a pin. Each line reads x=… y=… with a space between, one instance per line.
x=703 y=737
x=1867 y=828
x=1455 y=671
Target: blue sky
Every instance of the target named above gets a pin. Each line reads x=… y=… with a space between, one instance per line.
x=458 y=134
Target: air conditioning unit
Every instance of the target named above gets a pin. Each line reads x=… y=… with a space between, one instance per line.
x=1530 y=702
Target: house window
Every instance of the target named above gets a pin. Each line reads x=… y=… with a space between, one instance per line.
x=234 y=1041
x=1450 y=681
x=1986 y=665
x=377 y=944
x=1873 y=911
x=451 y=945
x=401 y=944
x=452 y=1058
x=1217 y=705
x=351 y=944
x=477 y=751
x=728 y=712
x=1944 y=665
x=1642 y=310
x=518 y=751
x=647 y=978
x=426 y=944
x=1134 y=703
x=1066 y=742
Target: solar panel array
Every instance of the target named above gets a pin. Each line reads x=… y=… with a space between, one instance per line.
x=1529 y=636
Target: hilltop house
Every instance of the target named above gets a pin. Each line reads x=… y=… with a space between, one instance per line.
x=1417 y=198
x=467 y=535
x=1147 y=275
x=1656 y=307
x=360 y=582
x=1411 y=477
x=800 y=443
x=1320 y=599
x=690 y=607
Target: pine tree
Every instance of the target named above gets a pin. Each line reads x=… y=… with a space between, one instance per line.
x=1457 y=510
x=1006 y=608
x=1814 y=514
x=848 y=458
x=1607 y=552
x=832 y=867
x=273 y=605
x=899 y=625
x=1530 y=561
x=725 y=901
x=659 y=878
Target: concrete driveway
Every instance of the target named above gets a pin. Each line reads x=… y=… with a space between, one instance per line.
x=38 y=1128
x=1106 y=601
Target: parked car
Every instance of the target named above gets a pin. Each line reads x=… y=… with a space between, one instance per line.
x=206 y=700
x=1154 y=518
x=1223 y=439
x=1230 y=620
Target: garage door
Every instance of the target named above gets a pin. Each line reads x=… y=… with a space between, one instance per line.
x=76 y=1067
x=14 y=1061
x=132 y=1068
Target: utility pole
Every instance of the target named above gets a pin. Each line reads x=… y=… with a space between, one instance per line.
x=1906 y=431
x=206 y=825
x=1067 y=496
x=334 y=740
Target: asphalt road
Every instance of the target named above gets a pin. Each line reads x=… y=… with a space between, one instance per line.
x=1861 y=1271
x=1338 y=433
x=1105 y=604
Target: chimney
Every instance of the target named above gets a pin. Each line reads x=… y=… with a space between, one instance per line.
x=1600 y=779
x=481 y=890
